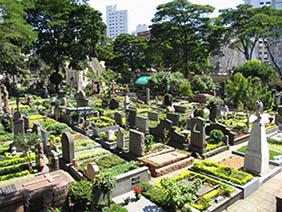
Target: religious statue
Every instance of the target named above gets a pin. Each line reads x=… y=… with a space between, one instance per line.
x=259 y=109
x=5 y=98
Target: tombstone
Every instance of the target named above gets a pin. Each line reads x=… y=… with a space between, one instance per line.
x=198 y=135
x=131 y=117
x=126 y=102
x=153 y=116
x=110 y=134
x=142 y=124
x=57 y=113
x=174 y=117
x=26 y=123
x=118 y=118
x=120 y=140
x=147 y=99
x=136 y=143
x=18 y=123
x=81 y=100
x=257 y=155
x=113 y=104
x=46 y=92
x=167 y=101
x=92 y=171
x=67 y=147
x=105 y=103
x=179 y=109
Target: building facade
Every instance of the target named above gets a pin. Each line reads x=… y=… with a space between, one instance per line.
x=117 y=21
x=277 y=4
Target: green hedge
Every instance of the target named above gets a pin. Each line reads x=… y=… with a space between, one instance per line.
x=16 y=160
x=224 y=172
x=122 y=168
x=14 y=175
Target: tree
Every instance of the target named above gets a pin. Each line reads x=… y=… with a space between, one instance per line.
x=254 y=68
x=244 y=29
x=130 y=54
x=68 y=30
x=181 y=32
x=16 y=36
x=202 y=84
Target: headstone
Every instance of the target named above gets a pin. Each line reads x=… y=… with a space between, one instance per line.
x=57 y=112
x=26 y=123
x=92 y=171
x=71 y=86
x=18 y=124
x=136 y=143
x=142 y=124
x=120 y=140
x=105 y=103
x=257 y=154
x=153 y=116
x=118 y=118
x=110 y=134
x=198 y=134
x=46 y=92
x=179 y=109
x=131 y=117
x=81 y=100
x=167 y=101
x=174 y=117
x=126 y=102
x=113 y=104
x=67 y=147
x=147 y=100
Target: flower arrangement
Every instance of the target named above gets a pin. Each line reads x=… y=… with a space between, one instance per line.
x=137 y=192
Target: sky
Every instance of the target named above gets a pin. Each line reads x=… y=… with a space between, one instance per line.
x=142 y=11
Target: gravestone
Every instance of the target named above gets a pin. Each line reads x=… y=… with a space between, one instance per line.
x=179 y=109
x=57 y=112
x=67 y=147
x=26 y=123
x=92 y=171
x=18 y=123
x=105 y=103
x=81 y=100
x=167 y=101
x=136 y=143
x=142 y=124
x=147 y=100
x=120 y=140
x=113 y=104
x=118 y=118
x=153 y=116
x=131 y=117
x=174 y=117
x=257 y=155
x=198 y=135
x=71 y=86
x=126 y=102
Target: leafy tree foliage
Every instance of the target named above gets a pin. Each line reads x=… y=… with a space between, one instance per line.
x=202 y=84
x=130 y=54
x=16 y=36
x=246 y=91
x=67 y=31
x=181 y=33
x=254 y=68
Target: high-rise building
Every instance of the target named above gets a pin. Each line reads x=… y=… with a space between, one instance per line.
x=140 y=28
x=117 y=21
x=261 y=51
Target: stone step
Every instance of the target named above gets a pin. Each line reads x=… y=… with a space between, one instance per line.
x=172 y=167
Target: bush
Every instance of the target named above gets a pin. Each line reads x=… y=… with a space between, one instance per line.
x=109 y=161
x=203 y=84
x=117 y=208
x=185 y=89
x=80 y=194
x=216 y=136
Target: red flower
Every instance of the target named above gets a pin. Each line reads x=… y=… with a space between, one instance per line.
x=137 y=190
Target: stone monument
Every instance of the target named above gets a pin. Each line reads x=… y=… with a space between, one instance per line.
x=81 y=100
x=18 y=124
x=136 y=143
x=198 y=134
x=67 y=147
x=257 y=154
x=92 y=171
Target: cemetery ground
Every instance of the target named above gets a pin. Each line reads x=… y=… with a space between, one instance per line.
x=129 y=152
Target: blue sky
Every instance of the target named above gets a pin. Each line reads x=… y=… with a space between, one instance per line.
x=142 y=11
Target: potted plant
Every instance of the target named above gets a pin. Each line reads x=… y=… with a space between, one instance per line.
x=137 y=192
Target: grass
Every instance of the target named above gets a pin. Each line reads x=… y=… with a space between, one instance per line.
x=272 y=151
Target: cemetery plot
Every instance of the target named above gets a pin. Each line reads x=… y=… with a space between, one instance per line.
x=190 y=190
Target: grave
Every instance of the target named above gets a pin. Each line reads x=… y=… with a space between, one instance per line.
x=257 y=155
x=147 y=99
x=67 y=147
x=26 y=123
x=18 y=124
x=142 y=124
x=167 y=101
x=120 y=140
x=126 y=102
x=118 y=118
x=113 y=104
x=131 y=117
x=174 y=117
x=92 y=171
x=136 y=143
x=81 y=100
x=198 y=135
x=153 y=116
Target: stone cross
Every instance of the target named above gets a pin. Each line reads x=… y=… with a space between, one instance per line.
x=136 y=143
x=198 y=134
x=67 y=147
x=257 y=155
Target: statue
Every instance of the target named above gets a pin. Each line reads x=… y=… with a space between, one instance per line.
x=5 y=97
x=259 y=109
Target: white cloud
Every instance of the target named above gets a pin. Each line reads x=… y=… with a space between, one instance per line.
x=142 y=11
